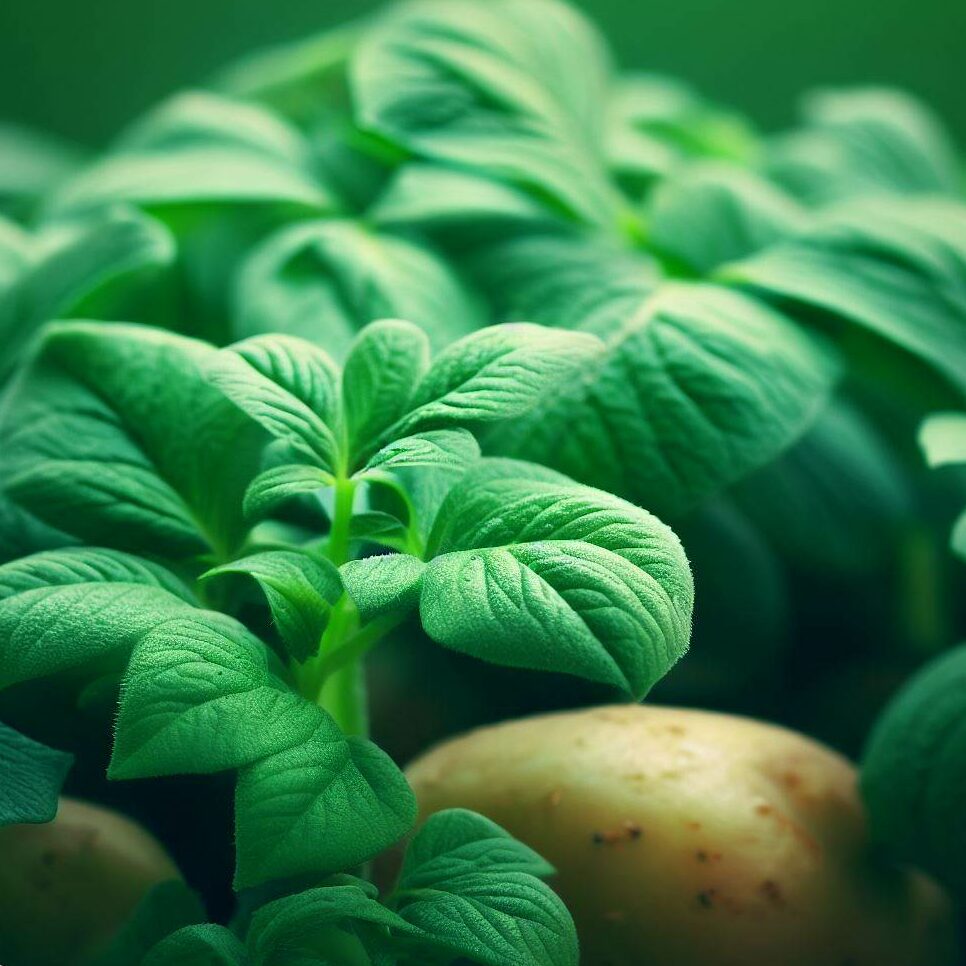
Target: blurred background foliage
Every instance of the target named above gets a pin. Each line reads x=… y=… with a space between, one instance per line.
x=84 y=69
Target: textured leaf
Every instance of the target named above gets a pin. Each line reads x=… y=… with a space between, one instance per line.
x=199 y=696
x=200 y=945
x=114 y=435
x=324 y=805
x=697 y=386
x=290 y=387
x=383 y=368
x=442 y=448
x=493 y=89
x=474 y=890
x=497 y=373
x=384 y=584
x=895 y=269
x=533 y=570
x=913 y=775
x=376 y=526
x=31 y=775
x=65 y=609
x=300 y=590
x=324 y=281
x=276 y=486
x=865 y=141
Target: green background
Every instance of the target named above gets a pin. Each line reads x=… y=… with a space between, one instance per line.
x=83 y=68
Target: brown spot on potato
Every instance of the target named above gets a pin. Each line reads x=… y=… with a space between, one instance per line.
x=705 y=898
x=554 y=798
x=772 y=891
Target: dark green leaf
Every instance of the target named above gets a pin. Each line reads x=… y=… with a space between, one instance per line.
x=280 y=484
x=200 y=945
x=31 y=775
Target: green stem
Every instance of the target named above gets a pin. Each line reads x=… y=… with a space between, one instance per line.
x=343 y=695
x=356 y=645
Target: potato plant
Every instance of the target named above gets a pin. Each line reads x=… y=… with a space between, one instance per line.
x=385 y=337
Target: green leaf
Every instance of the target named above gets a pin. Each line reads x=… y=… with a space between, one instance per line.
x=71 y=608
x=495 y=374
x=83 y=267
x=376 y=526
x=165 y=909
x=276 y=486
x=895 y=270
x=200 y=696
x=532 y=570
x=443 y=448
x=323 y=805
x=493 y=89
x=943 y=439
x=388 y=584
x=31 y=164
x=474 y=890
x=303 y=923
x=31 y=775
x=458 y=842
x=290 y=387
x=713 y=213
x=697 y=386
x=913 y=775
x=865 y=141
x=113 y=435
x=300 y=589
x=385 y=364
x=324 y=281
x=199 y=945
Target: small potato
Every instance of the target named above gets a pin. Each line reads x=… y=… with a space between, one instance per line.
x=67 y=887
x=685 y=837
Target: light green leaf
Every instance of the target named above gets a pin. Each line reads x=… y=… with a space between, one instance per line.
x=496 y=374
x=31 y=775
x=113 y=435
x=200 y=945
x=323 y=805
x=714 y=213
x=943 y=439
x=387 y=584
x=325 y=280
x=166 y=908
x=474 y=890
x=376 y=526
x=913 y=776
x=385 y=364
x=865 y=141
x=199 y=696
x=443 y=448
x=276 y=486
x=303 y=923
x=493 y=89
x=67 y=609
x=31 y=164
x=894 y=269
x=300 y=589
x=532 y=570
x=290 y=387
x=697 y=386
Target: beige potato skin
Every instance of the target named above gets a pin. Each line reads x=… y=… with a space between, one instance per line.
x=66 y=887
x=687 y=838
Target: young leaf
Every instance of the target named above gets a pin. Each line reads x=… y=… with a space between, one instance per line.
x=200 y=945
x=276 y=486
x=325 y=804
x=300 y=590
x=474 y=890
x=199 y=696
x=494 y=90
x=65 y=609
x=895 y=269
x=303 y=923
x=166 y=908
x=532 y=570
x=31 y=775
x=376 y=526
x=325 y=281
x=113 y=435
x=913 y=776
x=290 y=387
x=497 y=373
x=383 y=368
x=388 y=584
x=442 y=448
